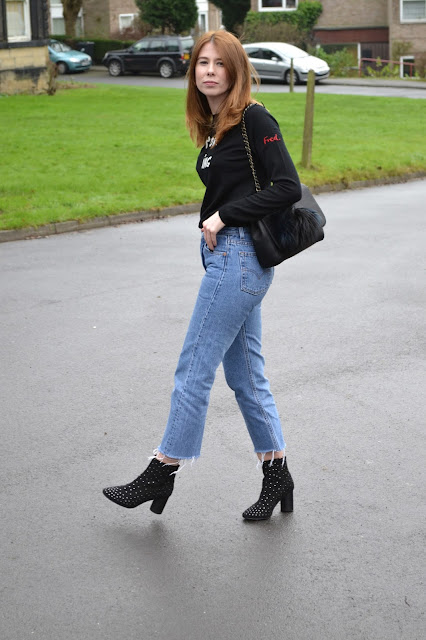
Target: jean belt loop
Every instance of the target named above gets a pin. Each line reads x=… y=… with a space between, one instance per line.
x=241 y=233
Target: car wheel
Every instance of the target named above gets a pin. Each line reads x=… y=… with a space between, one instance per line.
x=287 y=77
x=166 y=70
x=62 y=68
x=115 y=68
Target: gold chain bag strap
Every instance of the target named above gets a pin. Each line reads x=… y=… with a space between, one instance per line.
x=279 y=236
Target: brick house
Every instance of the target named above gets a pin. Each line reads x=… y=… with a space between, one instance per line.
x=209 y=16
x=106 y=18
x=362 y=23
x=371 y=26
x=407 y=23
x=23 y=51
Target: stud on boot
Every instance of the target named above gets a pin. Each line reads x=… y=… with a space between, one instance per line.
x=155 y=483
x=277 y=486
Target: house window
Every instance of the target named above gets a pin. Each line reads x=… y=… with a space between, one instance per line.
x=58 y=26
x=277 y=5
x=413 y=10
x=18 y=20
x=202 y=22
x=126 y=20
x=57 y=22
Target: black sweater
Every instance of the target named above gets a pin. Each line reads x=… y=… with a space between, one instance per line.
x=225 y=171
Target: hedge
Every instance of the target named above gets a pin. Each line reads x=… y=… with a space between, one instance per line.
x=304 y=17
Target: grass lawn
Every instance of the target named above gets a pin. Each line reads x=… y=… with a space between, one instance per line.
x=98 y=151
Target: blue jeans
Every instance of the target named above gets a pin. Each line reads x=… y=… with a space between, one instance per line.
x=225 y=327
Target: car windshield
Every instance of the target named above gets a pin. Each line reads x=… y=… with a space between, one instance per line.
x=59 y=46
x=291 y=51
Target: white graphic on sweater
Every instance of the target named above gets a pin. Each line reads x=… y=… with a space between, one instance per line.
x=210 y=142
x=206 y=162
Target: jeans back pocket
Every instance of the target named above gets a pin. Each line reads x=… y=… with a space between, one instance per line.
x=254 y=278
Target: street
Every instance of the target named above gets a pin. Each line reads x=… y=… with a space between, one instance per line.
x=92 y=324
x=390 y=88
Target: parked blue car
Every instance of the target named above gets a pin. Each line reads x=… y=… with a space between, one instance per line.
x=66 y=59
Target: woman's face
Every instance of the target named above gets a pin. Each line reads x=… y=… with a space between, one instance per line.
x=211 y=77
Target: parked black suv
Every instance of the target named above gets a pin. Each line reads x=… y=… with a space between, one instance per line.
x=166 y=55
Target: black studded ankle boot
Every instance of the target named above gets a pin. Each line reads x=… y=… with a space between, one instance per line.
x=277 y=486
x=155 y=483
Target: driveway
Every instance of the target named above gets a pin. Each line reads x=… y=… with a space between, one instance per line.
x=92 y=324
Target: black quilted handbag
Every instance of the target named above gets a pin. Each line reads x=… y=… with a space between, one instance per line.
x=279 y=236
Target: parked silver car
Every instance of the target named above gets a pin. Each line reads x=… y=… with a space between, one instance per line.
x=272 y=61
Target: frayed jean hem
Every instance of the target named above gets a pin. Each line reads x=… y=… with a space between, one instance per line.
x=160 y=455
x=261 y=460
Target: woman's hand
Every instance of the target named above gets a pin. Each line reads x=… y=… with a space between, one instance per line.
x=211 y=227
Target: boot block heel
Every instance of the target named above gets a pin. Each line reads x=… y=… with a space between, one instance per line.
x=153 y=484
x=158 y=505
x=287 y=502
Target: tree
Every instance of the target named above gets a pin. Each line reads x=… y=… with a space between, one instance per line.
x=174 y=16
x=233 y=12
x=71 y=9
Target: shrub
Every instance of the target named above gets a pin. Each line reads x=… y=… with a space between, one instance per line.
x=340 y=62
x=400 y=48
x=382 y=70
x=303 y=20
x=420 y=61
x=102 y=46
x=278 y=32
x=307 y=14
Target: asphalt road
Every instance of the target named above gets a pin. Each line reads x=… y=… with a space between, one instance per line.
x=394 y=89
x=92 y=324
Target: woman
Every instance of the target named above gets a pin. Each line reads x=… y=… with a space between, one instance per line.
x=226 y=323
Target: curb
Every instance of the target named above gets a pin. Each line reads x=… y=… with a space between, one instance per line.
x=43 y=231
x=364 y=184
x=11 y=235
x=366 y=82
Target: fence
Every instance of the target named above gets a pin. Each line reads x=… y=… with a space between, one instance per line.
x=378 y=62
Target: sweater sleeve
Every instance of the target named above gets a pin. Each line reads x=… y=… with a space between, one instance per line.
x=274 y=167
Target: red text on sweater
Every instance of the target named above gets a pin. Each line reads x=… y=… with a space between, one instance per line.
x=275 y=138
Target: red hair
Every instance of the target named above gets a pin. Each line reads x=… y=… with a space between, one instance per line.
x=239 y=72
